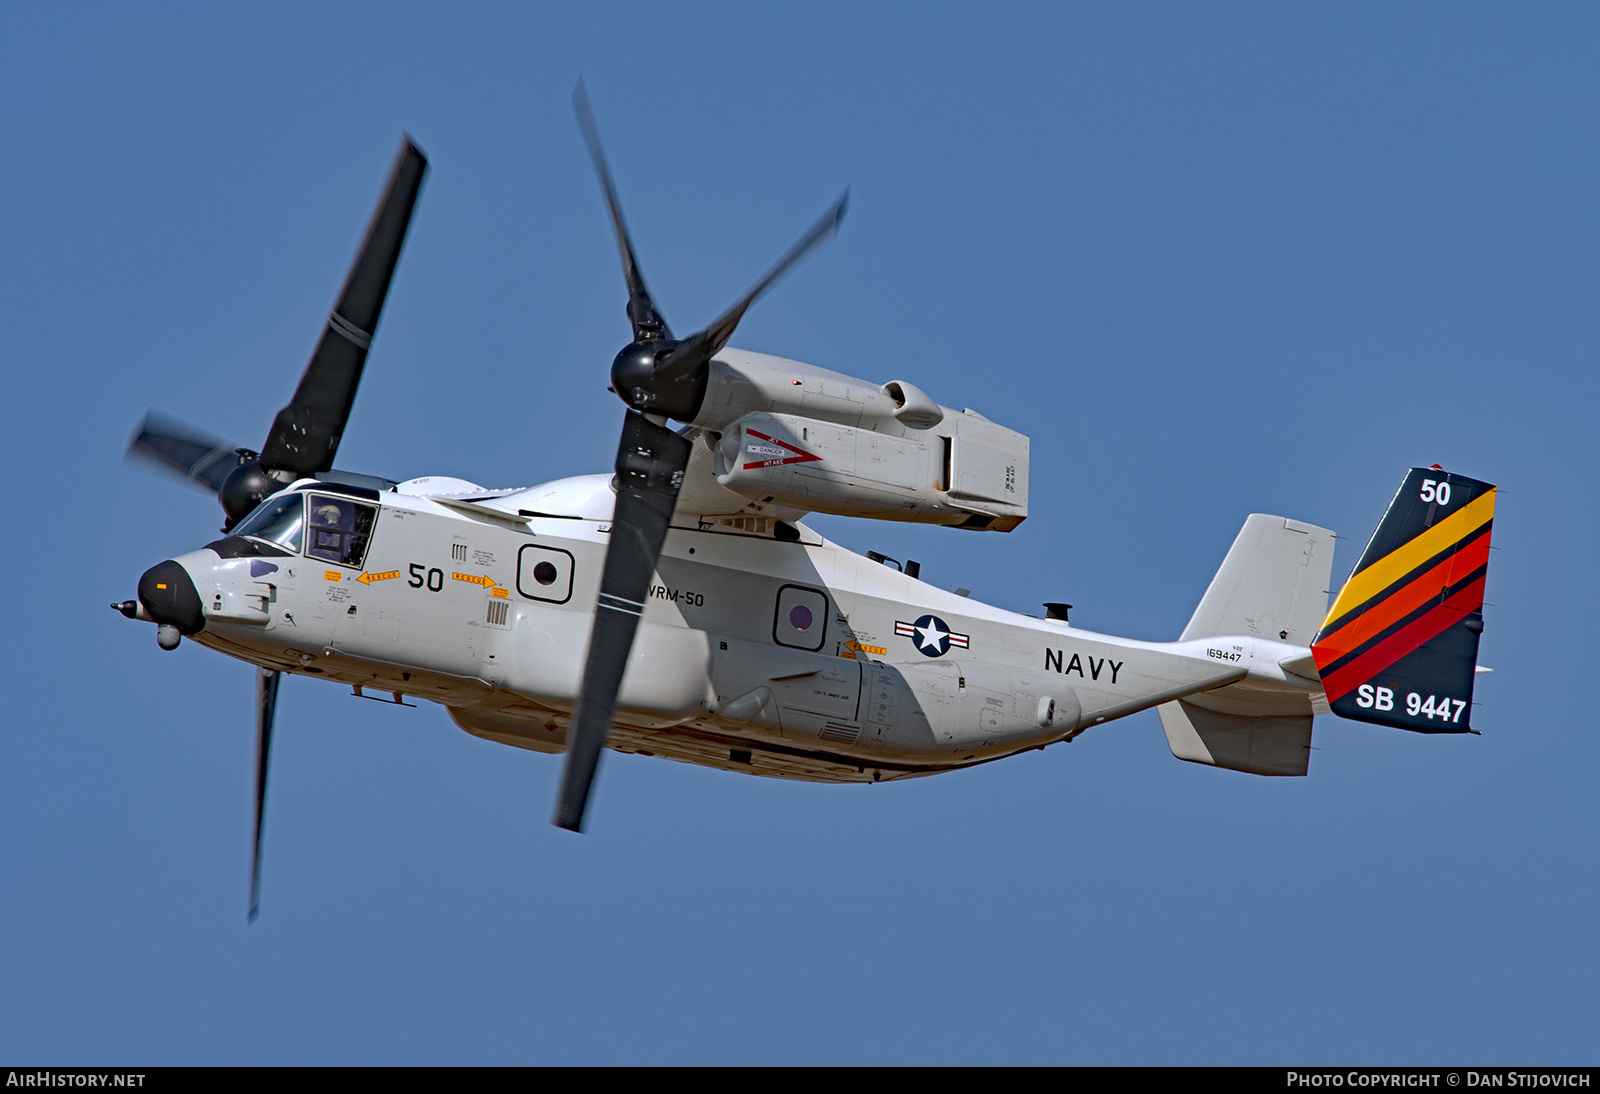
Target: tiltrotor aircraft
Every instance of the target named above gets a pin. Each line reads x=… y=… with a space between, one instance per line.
x=680 y=608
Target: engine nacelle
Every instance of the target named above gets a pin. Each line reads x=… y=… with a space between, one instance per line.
x=798 y=436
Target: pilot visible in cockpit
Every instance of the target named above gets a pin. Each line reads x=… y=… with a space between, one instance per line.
x=329 y=514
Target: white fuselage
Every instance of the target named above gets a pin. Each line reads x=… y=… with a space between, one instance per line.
x=794 y=659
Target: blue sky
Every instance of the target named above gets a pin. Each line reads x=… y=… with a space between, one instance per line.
x=1213 y=260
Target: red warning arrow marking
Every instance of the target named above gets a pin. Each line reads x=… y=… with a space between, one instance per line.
x=770 y=453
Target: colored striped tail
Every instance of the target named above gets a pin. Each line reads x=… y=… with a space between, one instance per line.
x=1399 y=647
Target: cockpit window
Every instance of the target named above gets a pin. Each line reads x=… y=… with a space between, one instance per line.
x=278 y=520
x=340 y=529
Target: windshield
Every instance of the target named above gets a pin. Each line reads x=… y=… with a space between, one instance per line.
x=277 y=519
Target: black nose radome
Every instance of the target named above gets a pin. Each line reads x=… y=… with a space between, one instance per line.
x=170 y=597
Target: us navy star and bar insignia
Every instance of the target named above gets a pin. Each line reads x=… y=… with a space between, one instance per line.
x=931 y=635
x=1399 y=647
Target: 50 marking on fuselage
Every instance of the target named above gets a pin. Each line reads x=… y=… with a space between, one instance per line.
x=432 y=579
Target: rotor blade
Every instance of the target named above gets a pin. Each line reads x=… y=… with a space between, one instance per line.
x=199 y=457
x=642 y=311
x=266 y=706
x=700 y=347
x=305 y=435
x=650 y=464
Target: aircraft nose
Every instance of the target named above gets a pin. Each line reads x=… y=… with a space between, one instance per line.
x=168 y=594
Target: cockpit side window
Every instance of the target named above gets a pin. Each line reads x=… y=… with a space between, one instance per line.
x=340 y=529
x=278 y=520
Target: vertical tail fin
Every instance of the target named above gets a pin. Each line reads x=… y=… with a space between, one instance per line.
x=1399 y=647
x=1272 y=584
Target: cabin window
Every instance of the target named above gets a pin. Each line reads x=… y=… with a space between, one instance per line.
x=801 y=620
x=544 y=573
x=277 y=520
x=340 y=529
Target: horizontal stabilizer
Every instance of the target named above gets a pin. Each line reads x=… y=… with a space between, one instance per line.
x=1400 y=643
x=1266 y=745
